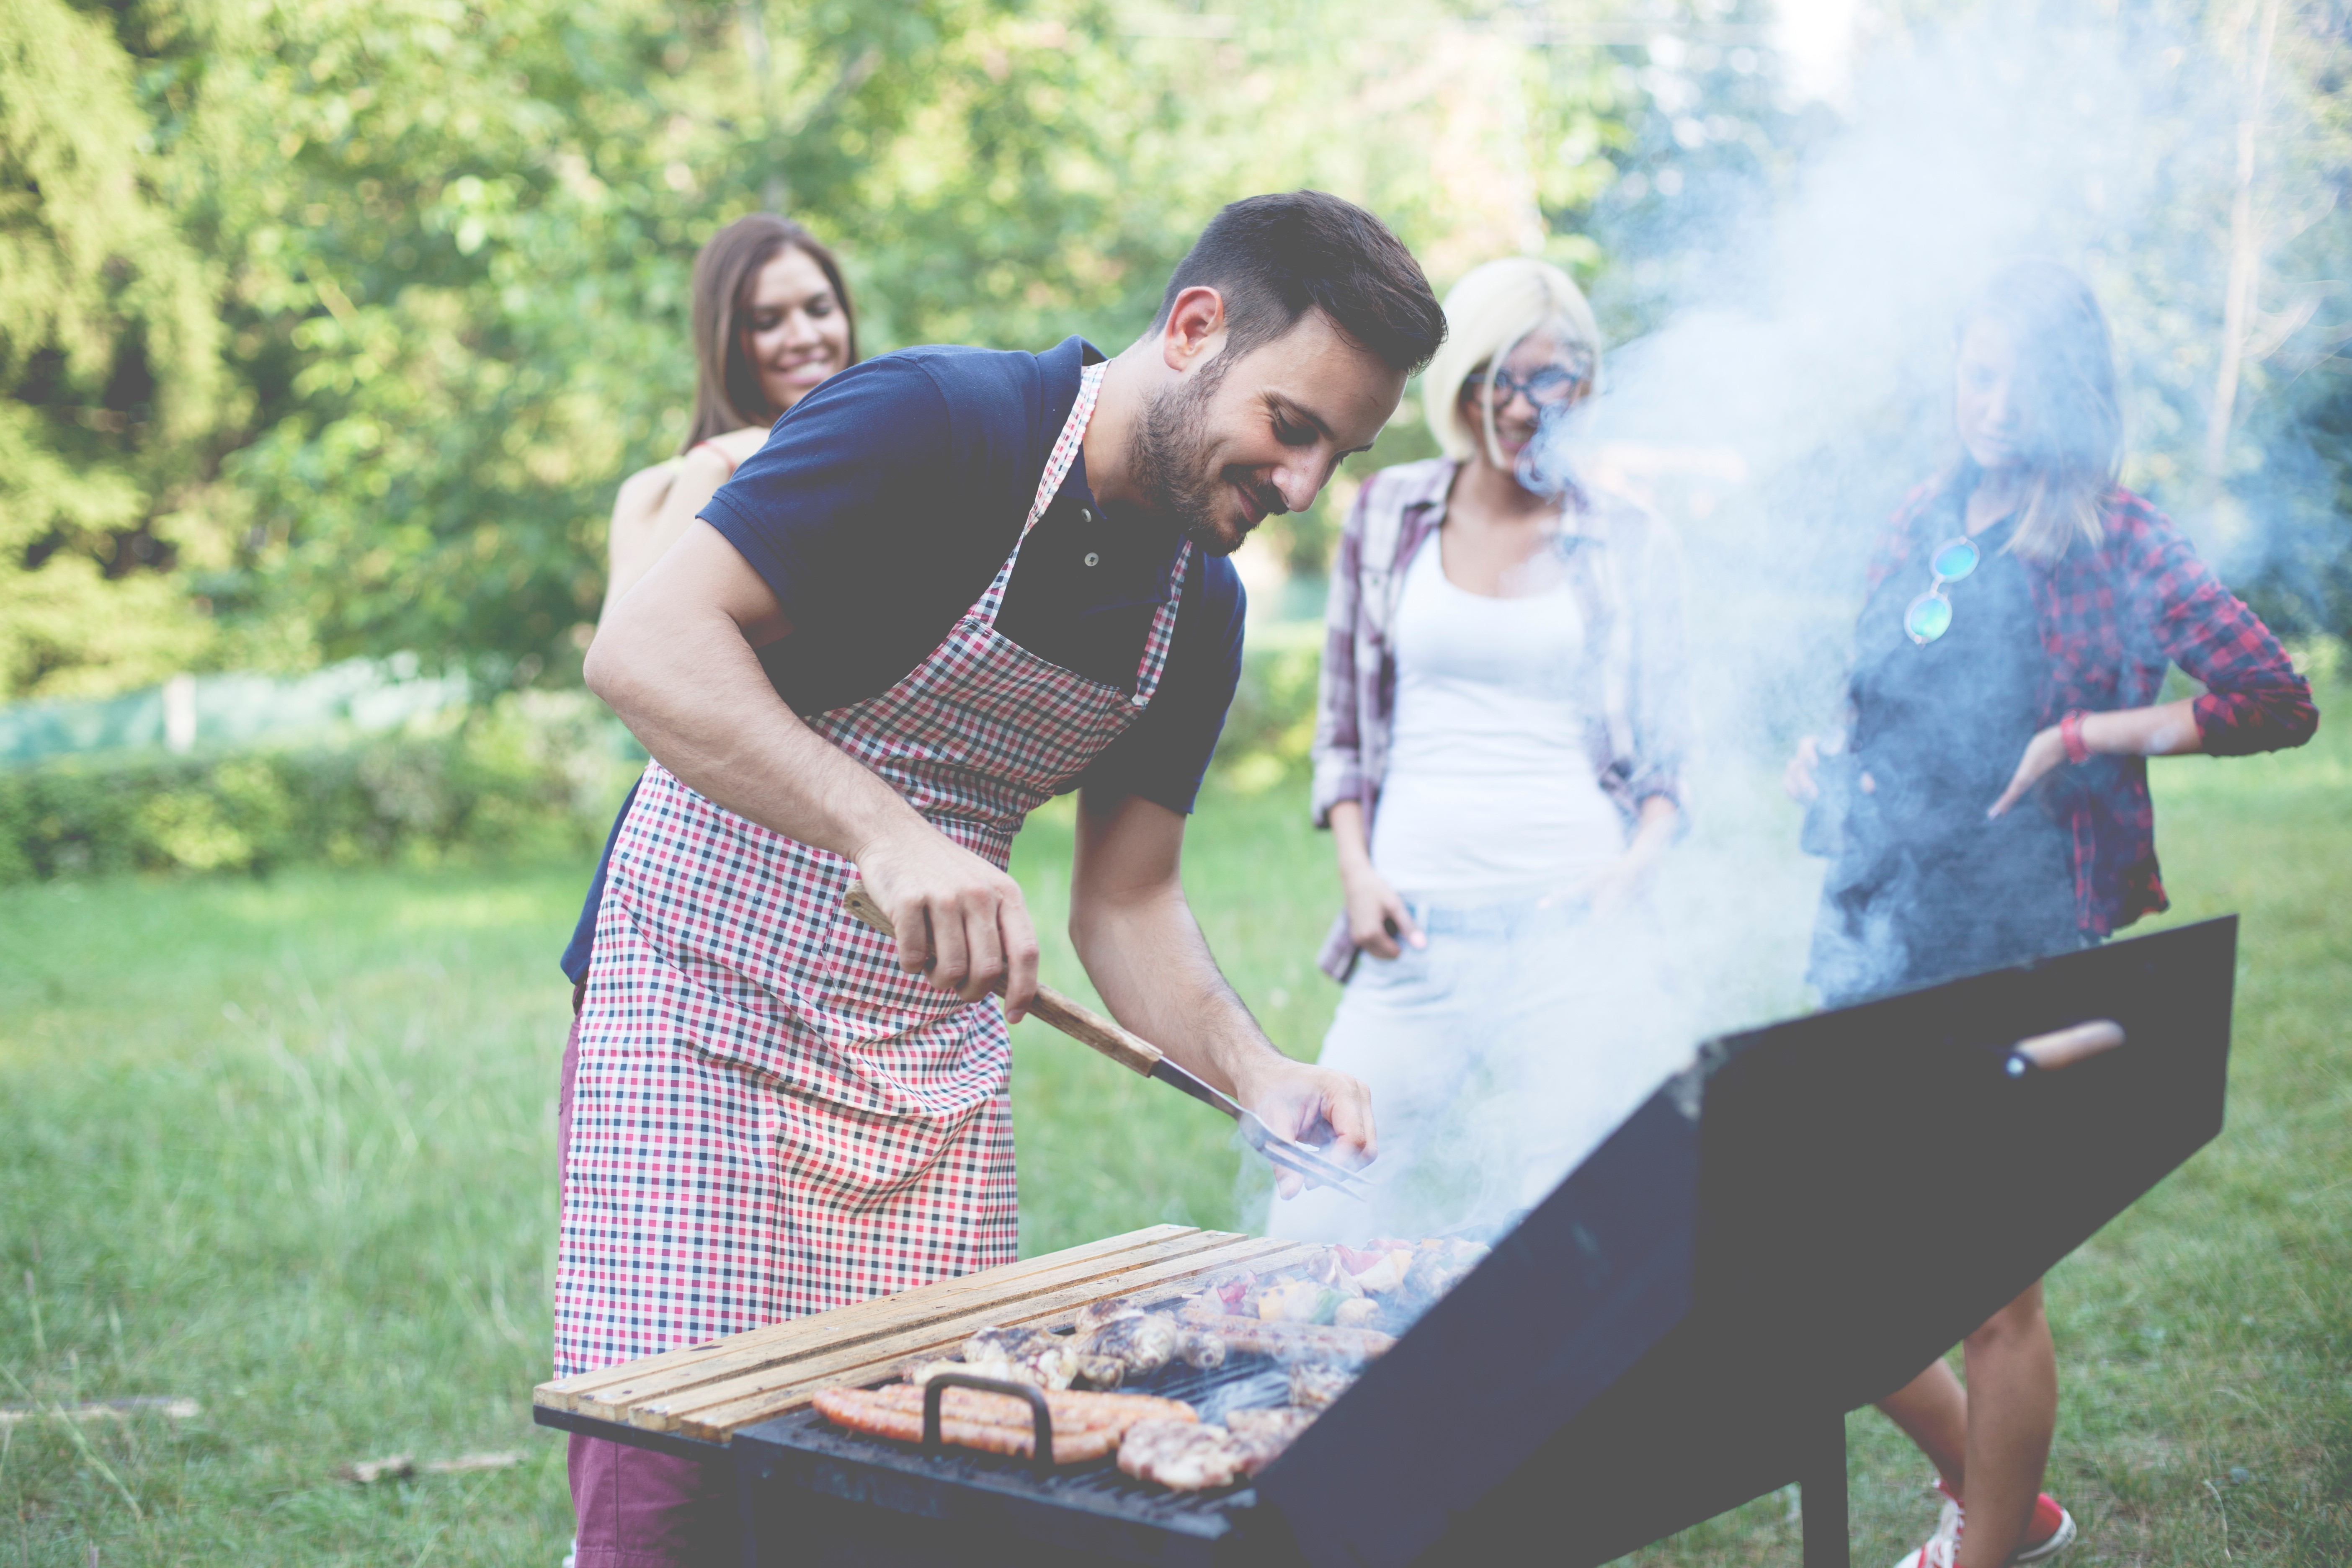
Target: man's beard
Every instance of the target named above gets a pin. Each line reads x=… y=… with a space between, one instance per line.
x=1166 y=454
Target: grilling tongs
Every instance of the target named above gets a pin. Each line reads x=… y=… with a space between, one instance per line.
x=1133 y=1052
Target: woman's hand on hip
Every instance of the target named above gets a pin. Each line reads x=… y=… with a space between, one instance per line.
x=1798 y=777
x=1309 y=1104
x=1378 y=919
x=1605 y=891
x=960 y=919
x=2044 y=752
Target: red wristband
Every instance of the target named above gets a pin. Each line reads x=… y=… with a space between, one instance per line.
x=2070 y=735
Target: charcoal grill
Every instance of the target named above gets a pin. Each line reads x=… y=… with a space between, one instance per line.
x=1681 y=1326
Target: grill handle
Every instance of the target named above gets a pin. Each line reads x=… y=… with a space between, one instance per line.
x=2063 y=1048
x=935 y=1389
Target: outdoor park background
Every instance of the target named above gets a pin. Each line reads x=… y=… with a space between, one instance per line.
x=327 y=330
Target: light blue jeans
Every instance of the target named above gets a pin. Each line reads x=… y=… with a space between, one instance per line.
x=1499 y=1057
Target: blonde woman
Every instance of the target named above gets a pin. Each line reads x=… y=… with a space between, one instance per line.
x=1498 y=756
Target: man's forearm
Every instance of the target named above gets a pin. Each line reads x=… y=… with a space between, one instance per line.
x=691 y=689
x=1152 y=967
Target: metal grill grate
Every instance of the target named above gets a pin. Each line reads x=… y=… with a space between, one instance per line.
x=1245 y=1381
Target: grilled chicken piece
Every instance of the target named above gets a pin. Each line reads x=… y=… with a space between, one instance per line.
x=1379 y=1270
x=1138 y=1344
x=1264 y=1434
x=921 y=1373
x=1095 y=1314
x=1049 y=1361
x=1282 y=1422
x=1182 y=1456
x=1314 y=1384
x=1200 y=1348
x=1437 y=1267
x=1330 y=1268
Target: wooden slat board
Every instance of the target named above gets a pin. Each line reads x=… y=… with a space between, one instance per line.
x=710 y=1392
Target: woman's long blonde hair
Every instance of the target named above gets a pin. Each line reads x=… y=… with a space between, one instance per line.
x=2065 y=378
x=1491 y=311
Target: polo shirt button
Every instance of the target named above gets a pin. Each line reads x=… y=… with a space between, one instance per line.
x=1087 y=514
x=1092 y=559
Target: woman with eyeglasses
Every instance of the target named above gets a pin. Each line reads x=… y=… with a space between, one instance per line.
x=1497 y=755
x=1988 y=800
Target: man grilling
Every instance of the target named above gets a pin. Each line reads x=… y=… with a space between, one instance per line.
x=952 y=584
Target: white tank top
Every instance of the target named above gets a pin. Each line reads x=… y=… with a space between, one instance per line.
x=1490 y=793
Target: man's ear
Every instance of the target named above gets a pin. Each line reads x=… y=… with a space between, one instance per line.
x=1195 y=329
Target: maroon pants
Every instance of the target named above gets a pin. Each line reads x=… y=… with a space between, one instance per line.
x=635 y=1508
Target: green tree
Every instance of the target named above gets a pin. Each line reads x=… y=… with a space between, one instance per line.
x=408 y=287
x=108 y=349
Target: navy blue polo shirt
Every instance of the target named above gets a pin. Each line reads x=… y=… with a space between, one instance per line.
x=884 y=502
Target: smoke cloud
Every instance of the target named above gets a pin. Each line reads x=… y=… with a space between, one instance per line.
x=1798 y=387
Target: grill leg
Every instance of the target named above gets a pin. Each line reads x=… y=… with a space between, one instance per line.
x=1822 y=1487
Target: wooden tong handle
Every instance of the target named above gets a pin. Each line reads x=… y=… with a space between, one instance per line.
x=1081 y=1023
x=2065 y=1047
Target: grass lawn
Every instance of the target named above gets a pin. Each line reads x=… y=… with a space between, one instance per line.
x=287 y=1148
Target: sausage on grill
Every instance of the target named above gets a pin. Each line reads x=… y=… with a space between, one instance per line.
x=1085 y=1425
x=1291 y=1341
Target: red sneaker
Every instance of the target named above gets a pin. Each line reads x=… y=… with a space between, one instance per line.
x=2049 y=1532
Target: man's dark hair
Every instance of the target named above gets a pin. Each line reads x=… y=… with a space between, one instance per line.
x=1273 y=259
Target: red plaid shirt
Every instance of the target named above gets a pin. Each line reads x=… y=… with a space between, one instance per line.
x=2112 y=619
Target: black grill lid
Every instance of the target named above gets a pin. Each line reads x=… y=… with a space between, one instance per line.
x=1792 y=1228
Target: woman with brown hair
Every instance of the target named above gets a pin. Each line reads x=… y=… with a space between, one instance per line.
x=1987 y=802
x=772 y=319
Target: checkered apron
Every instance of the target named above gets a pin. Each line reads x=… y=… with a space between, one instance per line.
x=771 y=1117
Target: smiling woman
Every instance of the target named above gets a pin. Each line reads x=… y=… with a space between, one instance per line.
x=771 y=319
x=1497 y=755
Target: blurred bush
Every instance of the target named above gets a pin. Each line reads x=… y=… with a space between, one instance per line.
x=1271 y=726
x=534 y=772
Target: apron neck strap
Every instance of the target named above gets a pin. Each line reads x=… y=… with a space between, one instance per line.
x=1066 y=445
x=1049 y=483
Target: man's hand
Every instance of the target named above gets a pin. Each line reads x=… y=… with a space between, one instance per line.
x=1314 y=1105
x=960 y=919
x=1142 y=949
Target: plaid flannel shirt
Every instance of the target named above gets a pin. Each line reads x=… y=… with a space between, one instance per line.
x=1624 y=565
x=2111 y=618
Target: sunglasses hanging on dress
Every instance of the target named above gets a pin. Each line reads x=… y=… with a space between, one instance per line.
x=1929 y=615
